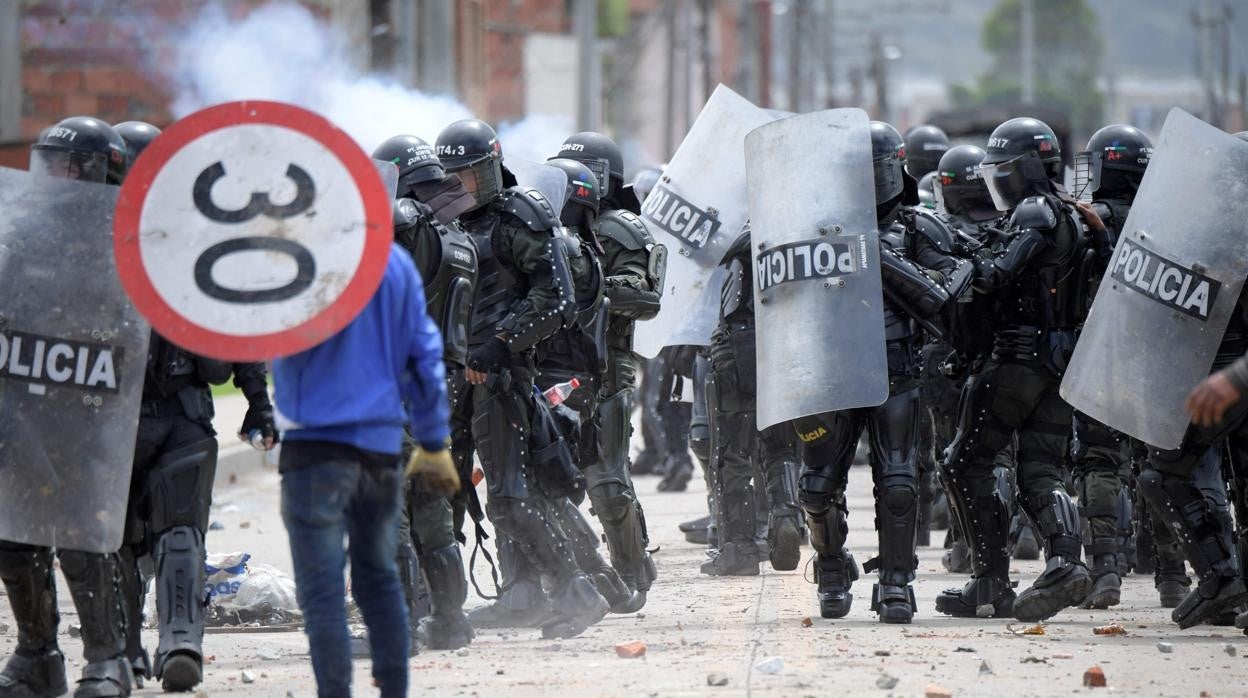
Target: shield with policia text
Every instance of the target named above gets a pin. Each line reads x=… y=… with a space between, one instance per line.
x=818 y=294
x=696 y=210
x=73 y=352
x=1173 y=282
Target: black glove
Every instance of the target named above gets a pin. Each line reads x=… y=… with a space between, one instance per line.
x=489 y=356
x=259 y=418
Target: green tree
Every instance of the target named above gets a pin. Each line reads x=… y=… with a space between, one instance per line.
x=1068 y=55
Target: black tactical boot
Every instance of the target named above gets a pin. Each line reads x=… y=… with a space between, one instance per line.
x=111 y=678
x=957 y=558
x=522 y=603
x=784 y=540
x=678 y=471
x=37 y=667
x=894 y=602
x=448 y=628
x=133 y=588
x=1204 y=534
x=1170 y=577
x=982 y=597
x=696 y=530
x=577 y=605
x=1065 y=581
x=39 y=675
x=1106 y=582
x=584 y=543
x=733 y=560
x=1024 y=545
x=180 y=603
x=834 y=576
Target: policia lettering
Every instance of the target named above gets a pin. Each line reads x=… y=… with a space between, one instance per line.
x=258 y=205
x=1172 y=284
x=52 y=361
x=805 y=260
x=679 y=218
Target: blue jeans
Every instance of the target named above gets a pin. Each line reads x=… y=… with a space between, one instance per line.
x=323 y=499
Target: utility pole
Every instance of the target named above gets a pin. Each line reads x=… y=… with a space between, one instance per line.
x=706 y=12
x=746 y=77
x=796 y=17
x=589 y=66
x=669 y=99
x=763 y=10
x=827 y=47
x=1028 y=29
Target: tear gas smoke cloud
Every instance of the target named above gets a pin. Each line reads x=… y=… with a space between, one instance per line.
x=282 y=52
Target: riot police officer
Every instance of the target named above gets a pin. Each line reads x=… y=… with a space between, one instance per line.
x=925 y=145
x=912 y=295
x=90 y=150
x=739 y=450
x=1119 y=155
x=632 y=266
x=446 y=258
x=1042 y=276
x=524 y=295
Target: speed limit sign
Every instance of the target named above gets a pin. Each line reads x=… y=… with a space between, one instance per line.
x=251 y=230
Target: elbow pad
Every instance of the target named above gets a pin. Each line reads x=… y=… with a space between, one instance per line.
x=912 y=283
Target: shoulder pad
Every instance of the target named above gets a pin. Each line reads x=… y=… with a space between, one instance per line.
x=624 y=227
x=1034 y=212
x=407 y=213
x=935 y=230
x=531 y=208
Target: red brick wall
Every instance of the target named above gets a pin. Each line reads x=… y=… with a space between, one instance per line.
x=507 y=22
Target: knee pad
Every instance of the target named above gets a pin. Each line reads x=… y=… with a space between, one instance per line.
x=179 y=487
x=898 y=497
x=817 y=492
x=611 y=501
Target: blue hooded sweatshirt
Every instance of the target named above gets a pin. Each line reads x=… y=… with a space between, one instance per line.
x=382 y=372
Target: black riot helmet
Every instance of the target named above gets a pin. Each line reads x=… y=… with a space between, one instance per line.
x=470 y=149
x=1117 y=157
x=581 y=205
x=415 y=159
x=888 y=159
x=600 y=154
x=927 y=191
x=1023 y=159
x=80 y=147
x=959 y=187
x=925 y=145
x=137 y=135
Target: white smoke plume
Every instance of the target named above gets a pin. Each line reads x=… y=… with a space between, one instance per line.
x=282 y=52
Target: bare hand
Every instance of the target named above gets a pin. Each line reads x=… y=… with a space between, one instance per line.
x=1090 y=216
x=1209 y=401
x=474 y=377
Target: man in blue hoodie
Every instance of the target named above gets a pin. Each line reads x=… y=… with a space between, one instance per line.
x=345 y=404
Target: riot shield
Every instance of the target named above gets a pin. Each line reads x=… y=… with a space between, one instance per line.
x=389 y=176
x=1172 y=284
x=73 y=352
x=819 y=303
x=548 y=179
x=697 y=209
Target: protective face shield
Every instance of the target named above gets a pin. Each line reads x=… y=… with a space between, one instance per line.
x=482 y=179
x=969 y=200
x=68 y=164
x=1011 y=181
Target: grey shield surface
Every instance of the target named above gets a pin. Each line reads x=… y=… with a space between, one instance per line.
x=696 y=210
x=1173 y=282
x=548 y=179
x=389 y=176
x=73 y=351
x=819 y=299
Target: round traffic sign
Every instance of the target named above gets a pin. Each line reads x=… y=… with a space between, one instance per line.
x=251 y=230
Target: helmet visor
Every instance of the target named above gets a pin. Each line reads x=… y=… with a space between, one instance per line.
x=1007 y=183
x=483 y=180
x=602 y=170
x=69 y=164
x=889 y=179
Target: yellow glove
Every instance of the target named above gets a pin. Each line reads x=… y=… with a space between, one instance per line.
x=435 y=469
